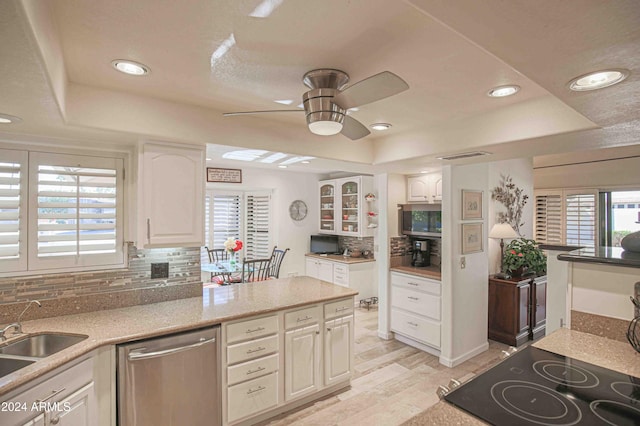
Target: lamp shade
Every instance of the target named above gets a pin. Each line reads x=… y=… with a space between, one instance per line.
x=503 y=230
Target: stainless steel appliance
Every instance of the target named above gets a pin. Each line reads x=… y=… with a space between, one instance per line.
x=172 y=380
x=420 y=220
x=536 y=387
x=421 y=253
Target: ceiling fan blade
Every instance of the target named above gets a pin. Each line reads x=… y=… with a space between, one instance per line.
x=231 y=114
x=353 y=129
x=370 y=89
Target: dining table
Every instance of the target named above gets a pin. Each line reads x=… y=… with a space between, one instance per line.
x=223 y=268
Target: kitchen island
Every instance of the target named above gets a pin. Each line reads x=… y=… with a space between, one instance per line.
x=217 y=305
x=617 y=356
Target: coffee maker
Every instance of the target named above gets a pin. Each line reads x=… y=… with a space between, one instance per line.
x=421 y=253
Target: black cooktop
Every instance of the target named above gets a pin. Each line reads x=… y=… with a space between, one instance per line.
x=536 y=387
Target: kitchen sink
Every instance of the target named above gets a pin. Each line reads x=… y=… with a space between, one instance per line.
x=41 y=345
x=9 y=365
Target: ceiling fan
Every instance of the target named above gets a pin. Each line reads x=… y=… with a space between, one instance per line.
x=326 y=104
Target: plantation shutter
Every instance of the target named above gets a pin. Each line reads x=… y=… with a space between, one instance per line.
x=76 y=211
x=13 y=217
x=549 y=218
x=580 y=216
x=224 y=219
x=257 y=235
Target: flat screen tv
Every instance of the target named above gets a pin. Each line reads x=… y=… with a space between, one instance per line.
x=324 y=244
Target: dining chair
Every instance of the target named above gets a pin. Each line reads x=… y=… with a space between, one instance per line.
x=255 y=269
x=220 y=255
x=276 y=261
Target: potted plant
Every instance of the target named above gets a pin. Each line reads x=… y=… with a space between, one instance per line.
x=523 y=256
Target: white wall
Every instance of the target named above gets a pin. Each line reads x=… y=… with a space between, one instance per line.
x=397 y=194
x=521 y=171
x=287 y=186
x=617 y=173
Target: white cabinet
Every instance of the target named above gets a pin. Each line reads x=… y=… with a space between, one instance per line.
x=343 y=209
x=416 y=309
x=338 y=347
x=320 y=269
x=171 y=195
x=359 y=276
x=68 y=399
x=426 y=188
x=302 y=361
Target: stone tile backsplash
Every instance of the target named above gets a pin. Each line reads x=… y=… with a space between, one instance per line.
x=364 y=243
x=184 y=269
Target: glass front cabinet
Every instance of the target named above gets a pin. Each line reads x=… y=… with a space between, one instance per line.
x=343 y=209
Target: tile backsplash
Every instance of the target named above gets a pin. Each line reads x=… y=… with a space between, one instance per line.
x=364 y=243
x=184 y=269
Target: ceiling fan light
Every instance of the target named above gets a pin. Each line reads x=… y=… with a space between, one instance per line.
x=325 y=128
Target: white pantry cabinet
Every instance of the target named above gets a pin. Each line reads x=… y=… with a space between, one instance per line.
x=426 y=188
x=171 y=195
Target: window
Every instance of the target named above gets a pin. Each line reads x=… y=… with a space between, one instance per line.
x=566 y=217
x=620 y=211
x=243 y=215
x=60 y=211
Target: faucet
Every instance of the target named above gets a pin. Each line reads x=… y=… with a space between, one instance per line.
x=17 y=326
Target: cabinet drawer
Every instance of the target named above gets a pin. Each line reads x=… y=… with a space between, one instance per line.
x=340 y=269
x=253 y=349
x=339 y=308
x=422 y=284
x=416 y=301
x=340 y=279
x=302 y=317
x=421 y=329
x=252 y=397
x=252 y=328
x=252 y=369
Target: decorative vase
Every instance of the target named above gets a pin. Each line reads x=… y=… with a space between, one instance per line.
x=232 y=260
x=631 y=242
x=519 y=272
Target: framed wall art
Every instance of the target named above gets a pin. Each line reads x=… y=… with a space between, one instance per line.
x=471 y=204
x=472 y=237
x=224 y=175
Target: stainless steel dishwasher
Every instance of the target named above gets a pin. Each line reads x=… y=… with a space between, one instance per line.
x=170 y=381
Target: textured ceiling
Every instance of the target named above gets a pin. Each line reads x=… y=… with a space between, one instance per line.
x=56 y=74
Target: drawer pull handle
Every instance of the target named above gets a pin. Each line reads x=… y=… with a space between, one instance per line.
x=306 y=318
x=344 y=308
x=54 y=393
x=412 y=323
x=258 y=349
x=413 y=298
x=258 y=389
x=257 y=370
x=254 y=330
x=415 y=284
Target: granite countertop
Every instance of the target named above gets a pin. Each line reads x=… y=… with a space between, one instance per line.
x=216 y=305
x=615 y=256
x=618 y=356
x=340 y=258
x=427 y=271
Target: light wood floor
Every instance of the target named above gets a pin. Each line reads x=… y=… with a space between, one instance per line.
x=392 y=382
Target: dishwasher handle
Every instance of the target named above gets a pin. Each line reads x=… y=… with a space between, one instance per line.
x=137 y=355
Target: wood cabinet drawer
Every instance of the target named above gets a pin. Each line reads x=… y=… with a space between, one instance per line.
x=302 y=317
x=418 y=328
x=252 y=369
x=415 y=283
x=251 y=397
x=252 y=349
x=416 y=301
x=251 y=329
x=339 y=308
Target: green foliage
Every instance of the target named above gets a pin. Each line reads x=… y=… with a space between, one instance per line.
x=526 y=253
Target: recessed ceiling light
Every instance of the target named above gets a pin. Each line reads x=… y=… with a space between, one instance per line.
x=305 y=162
x=502 y=91
x=284 y=102
x=9 y=119
x=424 y=171
x=380 y=126
x=598 y=80
x=208 y=159
x=130 y=67
x=282 y=167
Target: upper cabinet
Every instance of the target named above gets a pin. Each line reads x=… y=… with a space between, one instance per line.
x=343 y=209
x=171 y=195
x=426 y=188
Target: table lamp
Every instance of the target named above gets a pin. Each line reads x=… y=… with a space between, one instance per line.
x=502 y=231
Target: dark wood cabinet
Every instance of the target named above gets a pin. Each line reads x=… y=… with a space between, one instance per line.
x=517 y=309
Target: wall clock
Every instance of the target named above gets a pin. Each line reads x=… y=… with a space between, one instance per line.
x=298 y=210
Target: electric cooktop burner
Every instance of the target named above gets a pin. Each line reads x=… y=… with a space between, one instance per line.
x=536 y=387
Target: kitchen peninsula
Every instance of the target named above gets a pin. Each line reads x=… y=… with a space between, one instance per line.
x=292 y=305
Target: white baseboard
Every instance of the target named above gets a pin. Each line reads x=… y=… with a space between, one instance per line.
x=452 y=362
x=418 y=345
x=386 y=335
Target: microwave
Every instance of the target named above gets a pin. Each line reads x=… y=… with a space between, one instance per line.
x=423 y=220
